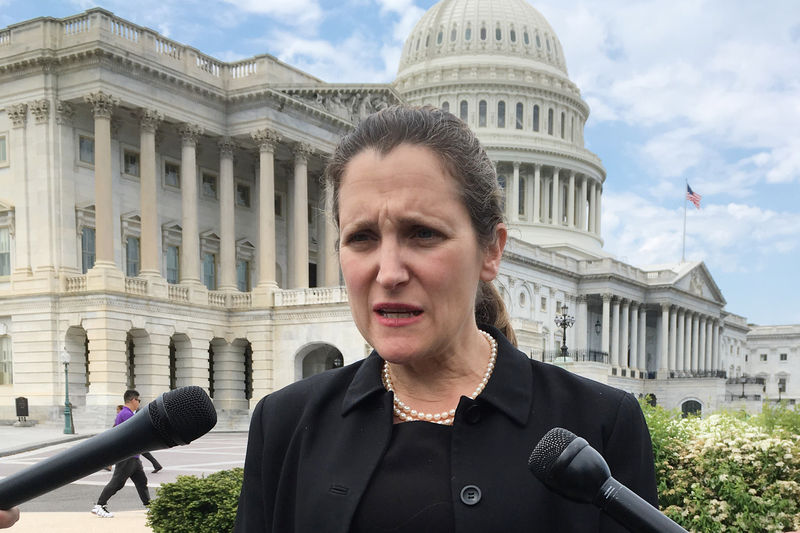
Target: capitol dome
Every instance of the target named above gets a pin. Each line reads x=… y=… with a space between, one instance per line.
x=499 y=65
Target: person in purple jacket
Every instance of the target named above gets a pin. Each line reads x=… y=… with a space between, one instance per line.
x=127 y=468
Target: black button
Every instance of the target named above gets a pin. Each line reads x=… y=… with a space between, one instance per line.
x=470 y=495
x=473 y=414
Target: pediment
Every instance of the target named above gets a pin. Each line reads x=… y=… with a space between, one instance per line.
x=348 y=102
x=698 y=281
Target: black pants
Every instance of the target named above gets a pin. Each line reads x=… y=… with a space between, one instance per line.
x=127 y=468
x=153 y=461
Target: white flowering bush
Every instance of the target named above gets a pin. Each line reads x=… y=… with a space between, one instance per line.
x=726 y=472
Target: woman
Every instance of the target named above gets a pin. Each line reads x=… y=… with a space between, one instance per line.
x=433 y=430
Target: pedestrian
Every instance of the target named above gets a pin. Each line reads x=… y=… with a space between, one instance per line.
x=130 y=467
x=147 y=455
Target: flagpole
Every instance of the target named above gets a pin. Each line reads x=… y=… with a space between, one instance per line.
x=683 y=247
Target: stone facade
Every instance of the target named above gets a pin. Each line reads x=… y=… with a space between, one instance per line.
x=162 y=221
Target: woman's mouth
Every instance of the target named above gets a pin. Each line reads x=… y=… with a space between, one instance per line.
x=395 y=314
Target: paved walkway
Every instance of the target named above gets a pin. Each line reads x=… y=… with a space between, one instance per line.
x=21 y=439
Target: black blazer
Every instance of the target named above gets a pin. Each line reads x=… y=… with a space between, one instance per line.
x=313 y=446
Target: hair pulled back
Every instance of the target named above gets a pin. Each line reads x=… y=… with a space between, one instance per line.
x=464 y=159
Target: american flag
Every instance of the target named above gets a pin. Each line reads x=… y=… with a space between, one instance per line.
x=693 y=196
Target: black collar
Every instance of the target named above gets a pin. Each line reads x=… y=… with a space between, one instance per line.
x=510 y=389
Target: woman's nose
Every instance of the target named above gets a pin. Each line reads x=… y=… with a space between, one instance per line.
x=392 y=270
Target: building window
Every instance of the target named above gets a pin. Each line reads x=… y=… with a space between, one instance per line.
x=468 y=34
x=87 y=249
x=519 y=115
x=6 y=363
x=453 y=34
x=526 y=38
x=5 y=252
x=446 y=107
x=501 y=114
x=482 y=113
x=763 y=357
x=521 y=195
x=242 y=195
x=86 y=149
x=130 y=163
x=243 y=275
x=3 y=149
x=543 y=306
x=439 y=37
x=781 y=384
x=132 y=256
x=172 y=174
x=209 y=186
x=563 y=120
x=483 y=34
x=536 y=118
x=549 y=121
x=538 y=41
x=513 y=36
x=464 y=110
x=209 y=271
x=173 y=263
x=783 y=356
x=498 y=34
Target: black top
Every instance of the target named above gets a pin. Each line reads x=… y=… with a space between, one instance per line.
x=315 y=445
x=410 y=490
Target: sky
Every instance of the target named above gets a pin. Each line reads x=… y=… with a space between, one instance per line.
x=699 y=91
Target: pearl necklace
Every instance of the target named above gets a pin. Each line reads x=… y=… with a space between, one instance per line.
x=446 y=418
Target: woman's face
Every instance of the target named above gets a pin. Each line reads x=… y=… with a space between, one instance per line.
x=409 y=255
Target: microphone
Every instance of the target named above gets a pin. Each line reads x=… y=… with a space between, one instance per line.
x=567 y=465
x=175 y=418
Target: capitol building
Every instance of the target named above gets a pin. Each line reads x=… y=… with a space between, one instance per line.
x=163 y=222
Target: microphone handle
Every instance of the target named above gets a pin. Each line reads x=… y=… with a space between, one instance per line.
x=135 y=435
x=633 y=512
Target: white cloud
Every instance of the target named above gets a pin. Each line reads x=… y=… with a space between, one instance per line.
x=298 y=13
x=729 y=238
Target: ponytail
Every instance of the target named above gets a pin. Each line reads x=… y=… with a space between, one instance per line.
x=490 y=309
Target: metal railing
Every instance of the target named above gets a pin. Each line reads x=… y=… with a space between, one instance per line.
x=578 y=356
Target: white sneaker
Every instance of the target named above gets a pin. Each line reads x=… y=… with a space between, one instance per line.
x=102 y=511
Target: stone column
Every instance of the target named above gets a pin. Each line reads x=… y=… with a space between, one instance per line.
x=537 y=192
x=598 y=209
x=583 y=324
x=17 y=148
x=680 y=342
x=709 y=343
x=229 y=375
x=513 y=194
x=582 y=205
x=624 y=343
x=152 y=362
x=267 y=140
x=102 y=108
x=634 y=336
x=571 y=200
x=606 y=335
x=642 y=364
x=331 y=235
x=673 y=338
x=149 y=120
x=190 y=236
x=695 y=339
x=227 y=215
x=556 y=197
x=107 y=360
x=300 y=201
x=263 y=363
x=663 y=337
x=701 y=345
x=615 y=332
x=716 y=362
x=687 y=342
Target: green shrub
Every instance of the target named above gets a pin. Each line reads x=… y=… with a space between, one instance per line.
x=197 y=504
x=726 y=472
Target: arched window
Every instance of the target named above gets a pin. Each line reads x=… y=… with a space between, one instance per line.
x=498 y=34
x=439 y=37
x=446 y=106
x=453 y=34
x=549 y=121
x=538 y=41
x=521 y=202
x=482 y=114
x=691 y=407
x=416 y=47
x=513 y=36
x=547 y=41
x=468 y=34
x=563 y=121
x=536 y=118
x=572 y=129
x=464 y=111
x=483 y=34
x=427 y=40
x=526 y=38
x=501 y=114
x=519 y=115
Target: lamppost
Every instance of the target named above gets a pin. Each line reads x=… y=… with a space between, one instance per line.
x=64 y=358
x=564 y=321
